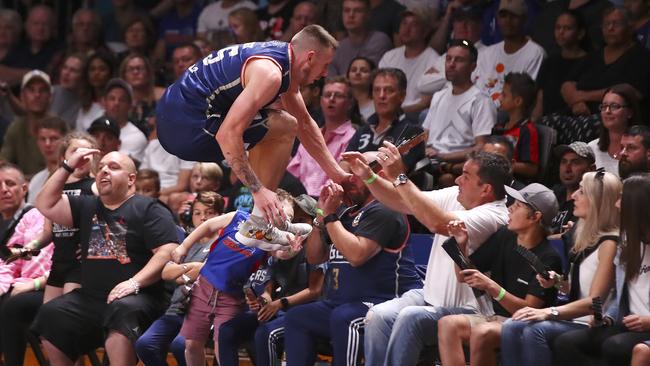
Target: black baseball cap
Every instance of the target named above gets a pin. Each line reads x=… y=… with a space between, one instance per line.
x=105 y=124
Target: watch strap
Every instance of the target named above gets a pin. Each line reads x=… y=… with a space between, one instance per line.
x=66 y=167
x=330 y=218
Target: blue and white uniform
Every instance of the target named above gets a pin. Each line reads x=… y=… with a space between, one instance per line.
x=190 y=112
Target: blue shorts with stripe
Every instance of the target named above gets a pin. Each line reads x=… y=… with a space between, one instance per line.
x=185 y=130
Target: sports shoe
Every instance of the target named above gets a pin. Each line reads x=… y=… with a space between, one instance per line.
x=296 y=229
x=255 y=232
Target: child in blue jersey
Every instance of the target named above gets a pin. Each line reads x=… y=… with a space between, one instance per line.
x=217 y=295
x=232 y=101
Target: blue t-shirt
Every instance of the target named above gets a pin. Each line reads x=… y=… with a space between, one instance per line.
x=230 y=263
x=388 y=274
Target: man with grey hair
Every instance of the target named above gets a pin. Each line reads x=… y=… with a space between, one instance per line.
x=226 y=104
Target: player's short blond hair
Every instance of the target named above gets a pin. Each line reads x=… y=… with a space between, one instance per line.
x=316 y=35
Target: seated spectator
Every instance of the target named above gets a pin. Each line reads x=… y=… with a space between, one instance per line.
x=511 y=284
x=38 y=51
x=414 y=57
x=49 y=135
x=576 y=159
x=114 y=19
x=213 y=20
x=627 y=314
x=14 y=189
x=360 y=76
x=19 y=146
x=203 y=177
x=388 y=123
x=107 y=133
x=174 y=172
x=139 y=36
x=336 y=104
x=118 y=101
x=162 y=335
x=281 y=284
x=227 y=267
x=639 y=14
x=21 y=281
x=86 y=34
x=304 y=14
x=516 y=53
x=66 y=94
x=619 y=110
x=501 y=145
x=98 y=70
x=397 y=330
x=10 y=27
x=311 y=96
x=368 y=263
x=147 y=183
x=622 y=60
x=177 y=25
x=138 y=72
x=570 y=32
x=529 y=336
x=634 y=157
x=460 y=117
x=466 y=25
x=385 y=15
x=114 y=271
x=184 y=56
x=360 y=40
x=245 y=26
x=518 y=99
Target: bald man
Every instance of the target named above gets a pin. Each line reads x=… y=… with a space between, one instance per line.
x=126 y=239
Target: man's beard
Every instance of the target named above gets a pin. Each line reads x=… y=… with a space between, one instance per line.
x=627 y=168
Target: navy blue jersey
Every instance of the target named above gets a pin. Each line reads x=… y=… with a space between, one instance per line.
x=230 y=263
x=388 y=274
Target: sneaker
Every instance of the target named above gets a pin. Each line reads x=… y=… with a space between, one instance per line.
x=255 y=232
x=296 y=229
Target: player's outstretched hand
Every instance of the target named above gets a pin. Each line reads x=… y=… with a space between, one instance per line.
x=267 y=201
x=358 y=164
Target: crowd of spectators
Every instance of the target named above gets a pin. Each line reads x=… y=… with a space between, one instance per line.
x=536 y=120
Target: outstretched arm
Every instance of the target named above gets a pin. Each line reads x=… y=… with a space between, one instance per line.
x=206 y=229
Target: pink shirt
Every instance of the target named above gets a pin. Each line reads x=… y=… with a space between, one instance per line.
x=305 y=168
x=30 y=225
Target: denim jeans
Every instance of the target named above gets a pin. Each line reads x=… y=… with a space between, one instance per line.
x=161 y=337
x=528 y=343
x=397 y=330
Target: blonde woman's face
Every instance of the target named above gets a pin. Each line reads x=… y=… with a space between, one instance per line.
x=580 y=203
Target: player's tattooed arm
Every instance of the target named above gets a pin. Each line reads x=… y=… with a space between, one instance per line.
x=242 y=168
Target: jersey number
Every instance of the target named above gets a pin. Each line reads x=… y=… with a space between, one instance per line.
x=335 y=278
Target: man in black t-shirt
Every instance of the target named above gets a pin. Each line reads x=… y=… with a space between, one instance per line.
x=126 y=239
x=512 y=283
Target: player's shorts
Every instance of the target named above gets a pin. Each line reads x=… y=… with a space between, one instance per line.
x=186 y=131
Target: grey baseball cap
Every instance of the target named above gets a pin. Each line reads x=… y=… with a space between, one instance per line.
x=580 y=148
x=307 y=204
x=539 y=197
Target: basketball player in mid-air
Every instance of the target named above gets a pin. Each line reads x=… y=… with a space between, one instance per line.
x=247 y=97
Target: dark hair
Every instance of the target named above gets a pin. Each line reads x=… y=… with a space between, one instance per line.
x=88 y=92
x=390 y=71
x=463 y=43
x=523 y=86
x=149 y=174
x=370 y=63
x=585 y=42
x=211 y=199
x=53 y=123
x=195 y=49
x=631 y=96
x=626 y=14
x=5 y=165
x=502 y=140
x=341 y=80
x=149 y=30
x=493 y=169
x=639 y=130
x=634 y=222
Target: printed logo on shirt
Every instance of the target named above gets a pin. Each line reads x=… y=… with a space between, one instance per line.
x=108 y=241
x=644 y=269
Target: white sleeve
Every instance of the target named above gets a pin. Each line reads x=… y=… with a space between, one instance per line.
x=431 y=82
x=202 y=23
x=484 y=115
x=481 y=222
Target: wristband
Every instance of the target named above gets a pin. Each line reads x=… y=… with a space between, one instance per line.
x=320 y=211
x=501 y=295
x=135 y=285
x=285 y=303
x=372 y=178
x=37 y=284
x=66 y=167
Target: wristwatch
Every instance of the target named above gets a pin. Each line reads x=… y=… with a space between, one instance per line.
x=554 y=312
x=401 y=179
x=317 y=224
x=285 y=303
x=330 y=218
x=67 y=167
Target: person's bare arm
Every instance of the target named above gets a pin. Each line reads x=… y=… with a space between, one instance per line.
x=421 y=104
x=311 y=137
x=51 y=201
x=12 y=75
x=312 y=292
x=461 y=156
x=315 y=248
x=207 y=229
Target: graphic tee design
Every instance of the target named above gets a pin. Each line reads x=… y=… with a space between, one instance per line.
x=108 y=241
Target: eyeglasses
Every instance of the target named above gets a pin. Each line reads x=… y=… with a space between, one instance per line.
x=613 y=107
x=136 y=69
x=334 y=95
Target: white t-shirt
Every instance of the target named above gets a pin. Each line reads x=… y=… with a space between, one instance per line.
x=454 y=121
x=367 y=110
x=494 y=64
x=167 y=165
x=639 y=288
x=603 y=160
x=85 y=119
x=36 y=183
x=133 y=141
x=412 y=67
x=435 y=78
x=441 y=288
x=214 y=17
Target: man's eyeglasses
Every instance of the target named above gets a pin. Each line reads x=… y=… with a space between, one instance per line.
x=334 y=95
x=613 y=107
